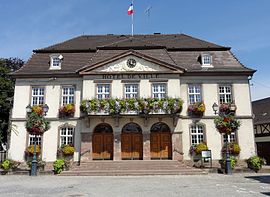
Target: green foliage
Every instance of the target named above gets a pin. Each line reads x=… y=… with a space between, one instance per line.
x=58 y=166
x=40 y=163
x=9 y=164
x=140 y=105
x=234 y=148
x=198 y=148
x=255 y=163
x=36 y=124
x=67 y=150
x=232 y=159
x=6 y=92
x=227 y=124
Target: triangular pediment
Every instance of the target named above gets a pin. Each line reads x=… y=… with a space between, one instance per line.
x=130 y=61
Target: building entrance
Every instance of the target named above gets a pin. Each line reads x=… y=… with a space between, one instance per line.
x=132 y=142
x=160 y=141
x=102 y=142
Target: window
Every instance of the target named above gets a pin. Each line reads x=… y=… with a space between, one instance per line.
x=66 y=136
x=206 y=60
x=225 y=94
x=68 y=95
x=159 y=90
x=38 y=95
x=103 y=91
x=194 y=93
x=231 y=138
x=197 y=134
x=55 y=62
x=32 y=140
x=131 y=91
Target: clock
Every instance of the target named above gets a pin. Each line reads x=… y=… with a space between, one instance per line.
x=131 y=63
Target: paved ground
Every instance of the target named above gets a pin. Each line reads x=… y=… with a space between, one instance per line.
x=216 y=185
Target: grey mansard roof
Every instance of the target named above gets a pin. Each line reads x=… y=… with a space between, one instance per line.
x=177 y=50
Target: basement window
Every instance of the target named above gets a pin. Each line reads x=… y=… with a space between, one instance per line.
x=55 y=61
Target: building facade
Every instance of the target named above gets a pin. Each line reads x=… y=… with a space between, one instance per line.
x=261 y=111
x=88 y=72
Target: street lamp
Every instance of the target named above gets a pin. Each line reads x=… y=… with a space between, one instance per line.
x=34 y=160
x=228 y=169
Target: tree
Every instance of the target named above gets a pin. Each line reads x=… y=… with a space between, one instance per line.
x=6 y=92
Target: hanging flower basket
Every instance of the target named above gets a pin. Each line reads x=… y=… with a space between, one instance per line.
x=227 y=124
x=196 y=109
x=36 y=124
x=67 y=111
x=227 y=108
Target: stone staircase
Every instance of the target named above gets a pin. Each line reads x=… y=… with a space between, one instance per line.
x=132 y=168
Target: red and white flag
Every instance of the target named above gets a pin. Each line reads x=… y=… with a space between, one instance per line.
x=130 y=9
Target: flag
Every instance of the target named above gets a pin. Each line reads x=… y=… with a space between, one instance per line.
x=130 y=9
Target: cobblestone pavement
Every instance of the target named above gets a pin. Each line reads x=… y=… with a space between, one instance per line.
x=194 y=185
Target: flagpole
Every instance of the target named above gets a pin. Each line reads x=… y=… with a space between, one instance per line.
x=132 y=21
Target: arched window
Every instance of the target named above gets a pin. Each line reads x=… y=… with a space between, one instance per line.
x=103 y=128
x=160 y=127
x=132 y=128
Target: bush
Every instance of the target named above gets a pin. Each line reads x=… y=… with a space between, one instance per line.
x=58 y=166
x=198 y=148
x=9 y=164
x=223 y=162
x=40 y=164
x=67 y=150
x=255 y=163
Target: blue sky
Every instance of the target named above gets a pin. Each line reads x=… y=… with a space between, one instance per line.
x=243 y=25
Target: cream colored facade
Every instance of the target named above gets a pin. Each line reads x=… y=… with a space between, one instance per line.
x=117 y=74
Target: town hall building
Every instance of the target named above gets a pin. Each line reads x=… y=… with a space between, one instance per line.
x=131 y=97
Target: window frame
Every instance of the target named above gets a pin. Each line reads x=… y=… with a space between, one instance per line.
x=39 y=140
x=52 y=65
x=159 y=93
x=225 y=99
x=194 y=94
x=37 y=96
x=197 y=134
x=69 y=95
x=230 y=138
x=208 y=64
x=103 y=84
x=66 y=127
x=132 y=93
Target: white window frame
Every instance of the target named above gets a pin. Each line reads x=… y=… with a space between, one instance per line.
x=197 y=134
x=131 y=90
x=38 y=96
x=67 y=138
x=32 y=138
x=157 y=90
x=103 y=94
x=207 y=60
x=67 y=96
x=193 y=95
x=228 y=96
x=231 y=138
x=55 y=61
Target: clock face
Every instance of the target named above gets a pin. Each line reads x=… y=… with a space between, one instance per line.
x=131 y=63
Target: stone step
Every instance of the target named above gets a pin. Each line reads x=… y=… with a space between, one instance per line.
x=134 y=167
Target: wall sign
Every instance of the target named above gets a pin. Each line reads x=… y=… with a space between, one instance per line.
x=131 y=76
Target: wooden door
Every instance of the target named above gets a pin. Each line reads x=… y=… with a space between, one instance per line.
x=102 y=146
x=132 y=146
x=160 y=145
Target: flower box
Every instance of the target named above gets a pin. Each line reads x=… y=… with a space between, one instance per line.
x=67 y=111
x=196 y=109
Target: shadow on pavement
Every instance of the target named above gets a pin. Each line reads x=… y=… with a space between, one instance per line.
x=266 y=193
x=262 y=179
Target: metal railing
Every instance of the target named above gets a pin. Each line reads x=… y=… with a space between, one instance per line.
x=3 y=155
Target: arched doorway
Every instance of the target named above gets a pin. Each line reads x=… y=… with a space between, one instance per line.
x=132 y=142
x=102 y=142
x=160 y=141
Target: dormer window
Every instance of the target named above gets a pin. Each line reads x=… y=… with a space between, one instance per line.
x=55 y=62
x=206 y=60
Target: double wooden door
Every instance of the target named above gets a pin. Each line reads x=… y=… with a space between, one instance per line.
x=161 y=145
x=102 y=146
x=132 y=146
